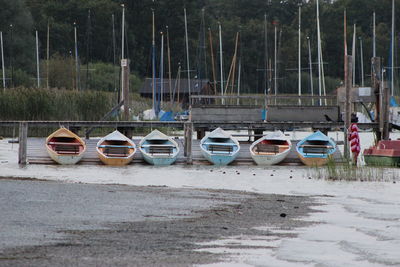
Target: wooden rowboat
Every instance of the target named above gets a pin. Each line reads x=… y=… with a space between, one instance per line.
x=315 y=149
x=159 y=149
x=270 y=149
x=115 y=149
x=219 y=147
x=385 y=153
x=65 y=147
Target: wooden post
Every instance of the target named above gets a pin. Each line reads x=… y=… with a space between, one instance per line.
x=188 y=130
x=347 y=107
x=125 y=87
x=23 y=140
x=376 y=83
x=385 y=112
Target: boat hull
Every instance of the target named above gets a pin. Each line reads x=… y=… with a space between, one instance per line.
x=269 y=159
x=64 y=159
x=314 y=161
x=219 y=160
x=117 y=161
x=159 y=161
x=373 y=160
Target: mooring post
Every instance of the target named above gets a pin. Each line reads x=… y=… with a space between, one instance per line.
x=376 y=83
x=188 y=131
x=125 y=87
x=347 y=108
x=385 y=111
x=23 y=141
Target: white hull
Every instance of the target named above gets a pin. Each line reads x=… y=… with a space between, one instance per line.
x=270 y=159
x=65 y=159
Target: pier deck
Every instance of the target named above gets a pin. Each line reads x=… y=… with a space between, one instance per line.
x=37 y=154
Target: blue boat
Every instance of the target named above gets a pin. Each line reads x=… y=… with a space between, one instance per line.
x=219 y=147
x=159 y=149
x=315 y=149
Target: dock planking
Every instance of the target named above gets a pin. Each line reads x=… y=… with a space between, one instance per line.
x=37 y=154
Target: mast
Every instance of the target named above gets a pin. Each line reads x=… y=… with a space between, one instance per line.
x=220 y=60
x=153 y=62
x=48 y=53
x=310 y=67
x=353 y=56
x=187 y=53
x=212 y=61
x=114 y=53
x=2 y=61
x=88 y=49
x=239 y=74
x=161 y=71
x=37 y=60
x=374 y=36
x=319 y=55
x=169 y=68
x=275 y=63
x=77 y=74
x=122 y=51
x=299 y=54
x=361 y=61
x=265 y=54
x=201 y=51
x=392 y=51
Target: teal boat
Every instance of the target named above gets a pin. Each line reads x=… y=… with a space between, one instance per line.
x=159 y=149
x=315 y=149
x=219 y=147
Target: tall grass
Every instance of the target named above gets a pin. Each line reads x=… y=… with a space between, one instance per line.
x=54 y=104
x=348 y=172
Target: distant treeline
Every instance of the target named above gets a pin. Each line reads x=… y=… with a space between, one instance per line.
x=95 y=37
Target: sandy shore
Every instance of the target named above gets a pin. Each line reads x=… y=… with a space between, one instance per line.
x=62 y=224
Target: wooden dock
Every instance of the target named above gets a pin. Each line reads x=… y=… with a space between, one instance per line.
x=37 y=154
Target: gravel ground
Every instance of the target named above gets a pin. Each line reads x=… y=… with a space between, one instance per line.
x=60 y=224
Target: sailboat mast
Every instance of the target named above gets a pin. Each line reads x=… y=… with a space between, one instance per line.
x=212 y=61
x=392 y=52
x=2 y=61
x=361 y=61
x=77 y=79
x=48 y=53
x=353 y=58
x=310 y=67
x=187 y=53
x=114 y=53
x=374 y=37
x=220 y=60
x=169 y=67
x=275 y=63
x=319 y=55
x=299 y=54
x=123 y=33
x=37 y=60
x=161 y=70
x=265 y=54
x=153 y=61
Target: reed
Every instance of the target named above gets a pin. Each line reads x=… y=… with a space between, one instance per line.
x=348 y=172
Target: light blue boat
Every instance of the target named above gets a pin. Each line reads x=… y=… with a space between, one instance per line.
x=315 y=149
x=159 y=149
x=219 y=147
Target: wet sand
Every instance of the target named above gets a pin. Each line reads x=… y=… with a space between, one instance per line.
x=48 y=223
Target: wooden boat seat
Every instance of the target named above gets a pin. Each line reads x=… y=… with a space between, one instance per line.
x=64 y=143
x=66 y=149
x=265 y=148
x=161 y=150
x=315 y=149
x=220 y=148
x=116 y=151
